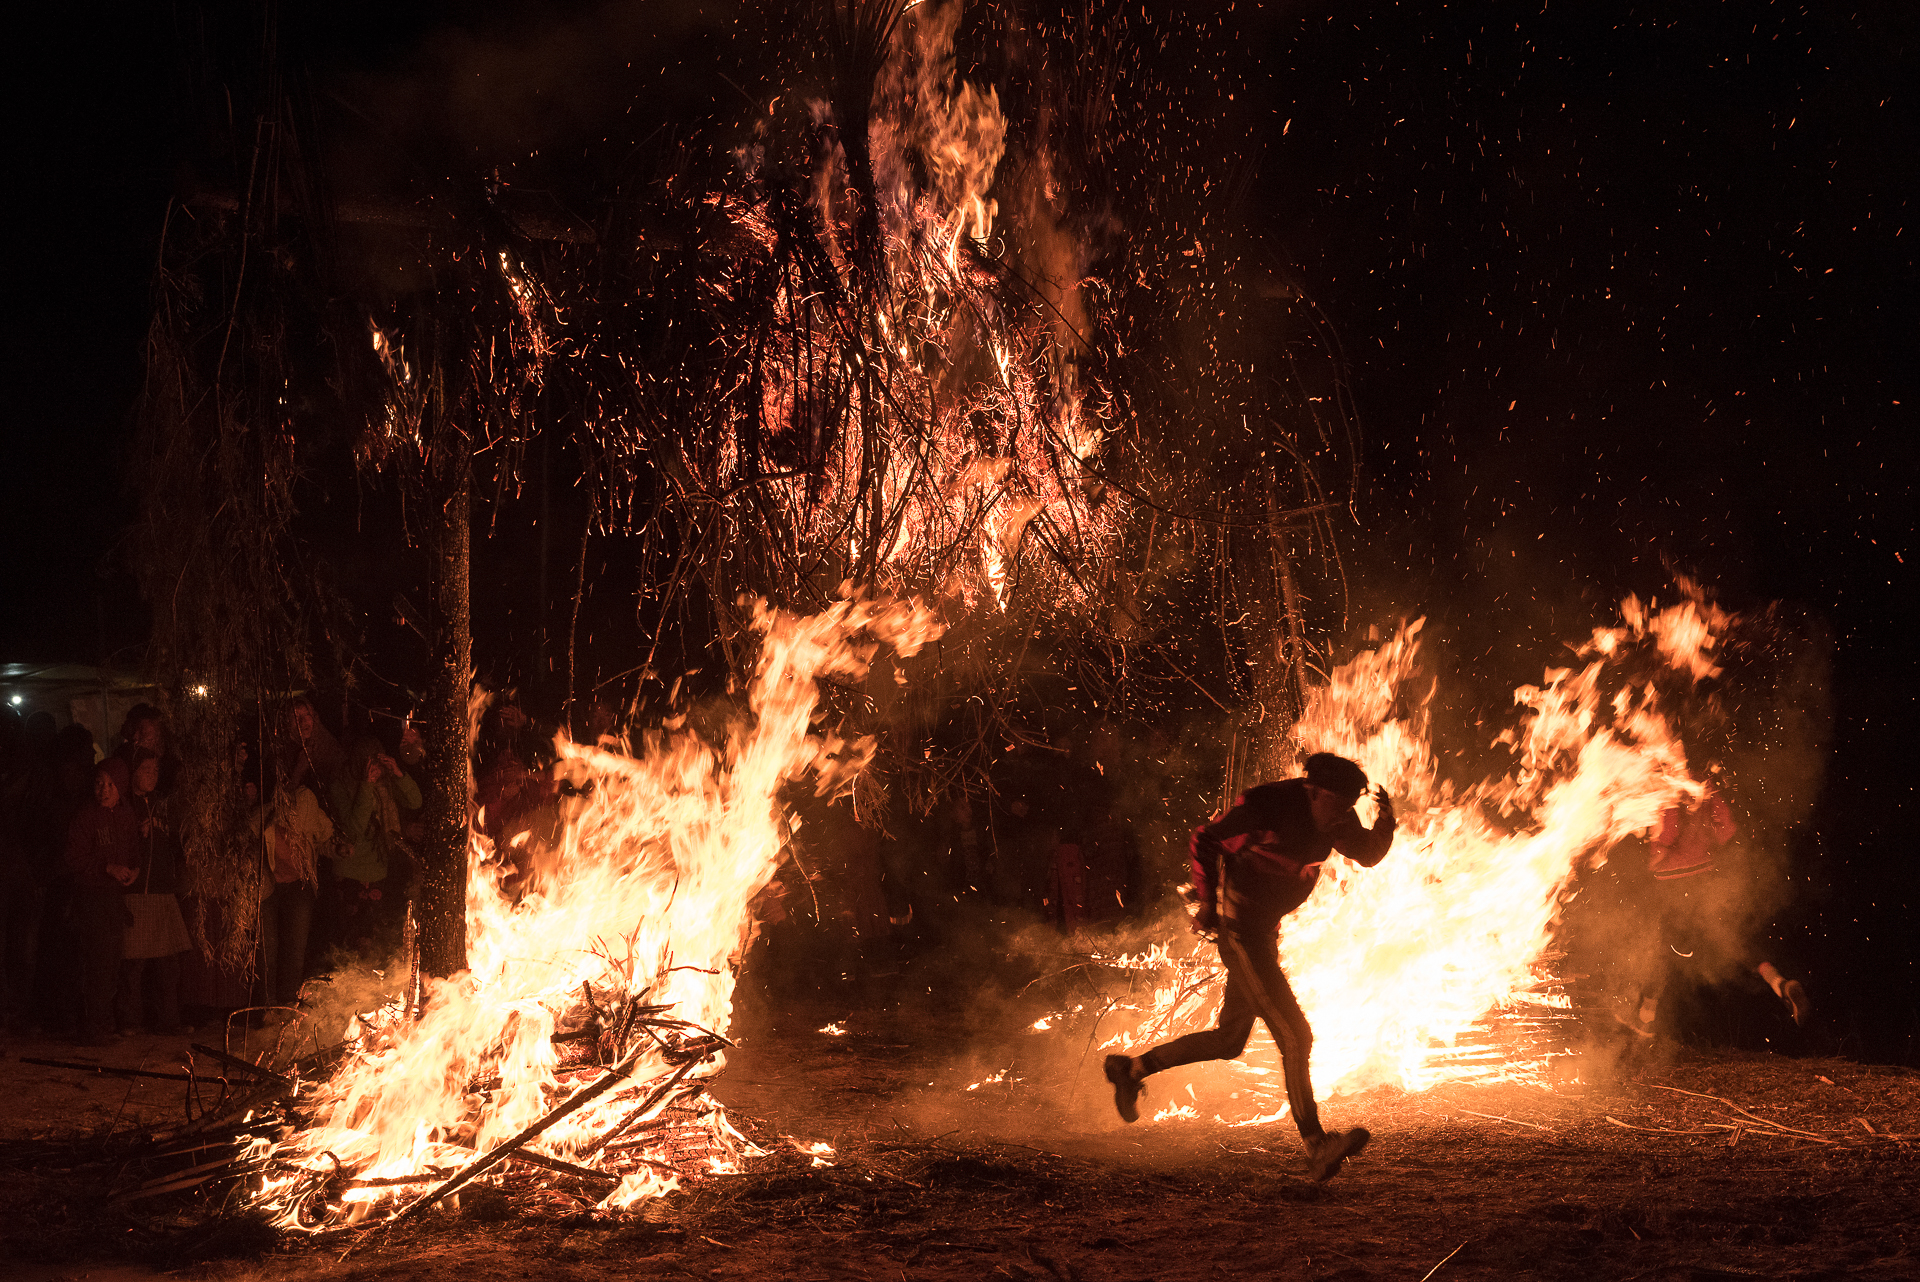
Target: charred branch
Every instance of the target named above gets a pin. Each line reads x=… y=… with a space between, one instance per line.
x=507 y=1148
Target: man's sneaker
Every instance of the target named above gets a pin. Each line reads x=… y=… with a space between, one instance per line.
x=1797 y=1001
x=1334 y=1148
x=1126 y=1091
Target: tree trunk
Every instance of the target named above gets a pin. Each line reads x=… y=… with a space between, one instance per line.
x=1295 y=659
x=1280 y=679
x=442 y=907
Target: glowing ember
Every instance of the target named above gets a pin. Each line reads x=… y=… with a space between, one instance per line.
x=1434 y=966
x=609 y=981
x=1261 y=1120
x=834 y=1030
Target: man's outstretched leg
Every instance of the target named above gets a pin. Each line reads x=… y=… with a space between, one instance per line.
x=1789 y=991
x=1255 y=986
x=1225 y=1041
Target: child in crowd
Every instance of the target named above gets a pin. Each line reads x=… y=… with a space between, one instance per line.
x=103 y=855
x=293 y=830
x=156 y=935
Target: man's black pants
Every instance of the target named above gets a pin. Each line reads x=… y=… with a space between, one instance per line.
x=1256 y=988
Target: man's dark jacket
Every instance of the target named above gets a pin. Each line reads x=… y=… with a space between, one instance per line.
x=1271 y=853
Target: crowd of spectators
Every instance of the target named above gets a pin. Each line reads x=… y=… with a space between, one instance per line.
x=110 y=930
x=95 y=942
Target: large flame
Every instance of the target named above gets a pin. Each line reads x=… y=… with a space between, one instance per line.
x=627 y=943
x=1409 y=971
x=936 y=447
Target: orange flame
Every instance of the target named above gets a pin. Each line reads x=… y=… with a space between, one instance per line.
x=646 y=908
x=955 y=428
x=1406 y=970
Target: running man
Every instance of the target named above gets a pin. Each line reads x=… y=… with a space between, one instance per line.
x=1252 y=866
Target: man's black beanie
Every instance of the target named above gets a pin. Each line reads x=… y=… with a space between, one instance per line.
x=1337 y=775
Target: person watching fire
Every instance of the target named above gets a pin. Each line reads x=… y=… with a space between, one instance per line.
x=1251 y=867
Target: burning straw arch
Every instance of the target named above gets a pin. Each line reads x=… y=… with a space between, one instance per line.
x=826 y=356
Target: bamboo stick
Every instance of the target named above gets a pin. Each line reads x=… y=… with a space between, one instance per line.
x=191 y=1170
x=234 y=1061
x=180 y=1184
x=107 y=1069
x=395 y=1181
x=500 y=1152
x=638 y=1113
x=554 y=1164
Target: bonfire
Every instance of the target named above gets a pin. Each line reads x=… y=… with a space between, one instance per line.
x=580 y=1042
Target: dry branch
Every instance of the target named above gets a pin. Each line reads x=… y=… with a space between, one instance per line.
x=234 y=1061
x=107 y=1069
x=1516 y=1121
x=1709 y=1129
x=1743 y=1112
x=506 y=1148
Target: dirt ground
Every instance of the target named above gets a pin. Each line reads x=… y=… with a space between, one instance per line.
x=1795 y=1168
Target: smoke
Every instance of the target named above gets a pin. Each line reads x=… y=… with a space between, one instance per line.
x=537 y=89
x=352 y=986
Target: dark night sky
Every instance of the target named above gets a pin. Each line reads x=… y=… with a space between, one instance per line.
x=1623 y=291
x=1623 y=286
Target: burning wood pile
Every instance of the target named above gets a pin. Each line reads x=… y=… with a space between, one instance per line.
x=252 y=1148
x=572 y=1060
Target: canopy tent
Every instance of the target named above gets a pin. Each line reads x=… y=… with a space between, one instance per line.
x=97 y=698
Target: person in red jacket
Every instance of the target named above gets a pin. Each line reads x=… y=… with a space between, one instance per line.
x=1697 y=907
x=1251 y=867
x=103 y=854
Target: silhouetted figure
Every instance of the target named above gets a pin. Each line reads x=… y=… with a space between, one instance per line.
x=144 y=731
x=1252 y=866
x=156 y=937
x=1700 y=907
x=308 y=753
x=103 y=855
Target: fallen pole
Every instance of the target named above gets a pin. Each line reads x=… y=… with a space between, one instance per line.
x=107 y=1069
x=505 y=1149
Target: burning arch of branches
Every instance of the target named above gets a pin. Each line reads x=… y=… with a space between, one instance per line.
x=910 y=333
